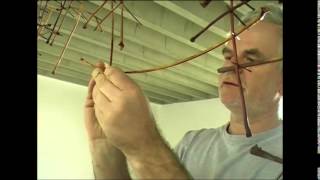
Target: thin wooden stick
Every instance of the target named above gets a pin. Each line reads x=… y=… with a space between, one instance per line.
x=215 y=20
x=239 y=19
x=42 y=35
x=83 y=61
x=247 y=4
x=107 y=15
x=249 y=64
x=66 y=45
x=237 y=72
x=205 y=3
x=121 y=44
x=239 y=66
x=55 y=23
x=39 y=17
x=257 y=151
x=94 y=13
x=97 y=20
x=200 y=53
x=127 y=9
x=86 y=19
x=43 y=11
x=57 y=32
x=44 y=25
x=112 y=31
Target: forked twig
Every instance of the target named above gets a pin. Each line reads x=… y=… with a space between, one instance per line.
x=55 y=23
x=94 y=13
x=68 y=41
x=57 y=32
x=215 y=20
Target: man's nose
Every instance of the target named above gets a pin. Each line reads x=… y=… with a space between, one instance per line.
x=231 y=63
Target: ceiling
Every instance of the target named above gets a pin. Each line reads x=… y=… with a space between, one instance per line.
x=162 y=39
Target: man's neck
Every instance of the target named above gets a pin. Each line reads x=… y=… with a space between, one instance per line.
x=257 y=124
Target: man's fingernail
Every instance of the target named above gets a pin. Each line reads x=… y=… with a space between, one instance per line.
x=95 y=73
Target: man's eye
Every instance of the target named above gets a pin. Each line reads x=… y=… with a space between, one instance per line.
x=227 y=58
x=250 y=59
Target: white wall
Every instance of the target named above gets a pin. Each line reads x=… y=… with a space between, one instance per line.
x=62 y=147
x=63 y=151
x=176 y=119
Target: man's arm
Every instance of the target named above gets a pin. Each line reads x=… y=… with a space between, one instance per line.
x=124 y=115
x=108 y=162
x=158 y=162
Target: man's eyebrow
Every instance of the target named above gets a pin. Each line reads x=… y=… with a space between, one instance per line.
x=255 y=52
x=226 y=50
x=251 y=52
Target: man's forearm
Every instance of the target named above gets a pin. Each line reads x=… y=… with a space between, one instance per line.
x=157 y=162
x=108 y=162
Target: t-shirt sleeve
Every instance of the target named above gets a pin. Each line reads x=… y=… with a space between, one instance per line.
x=181 y=148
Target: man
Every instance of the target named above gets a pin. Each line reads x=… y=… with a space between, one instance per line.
x=122 y=130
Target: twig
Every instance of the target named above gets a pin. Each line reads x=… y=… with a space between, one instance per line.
x=55 y=23
x=243 y=104
x=94 y=13
x=215 y=20
x=107 y=15
x=127 y=9
x=257 y=151
x=45 y=24
x=121 y=44
x=112 y=31
x=200 y=53
x=249 y=64
x=66 y=45
x=57 y=32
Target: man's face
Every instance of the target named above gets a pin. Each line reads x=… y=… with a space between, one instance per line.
x=262 y=42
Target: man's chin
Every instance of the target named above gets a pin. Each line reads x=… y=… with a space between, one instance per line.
x=231 y=102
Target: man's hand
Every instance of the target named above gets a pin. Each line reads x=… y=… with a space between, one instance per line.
x=94 y=130
x=123 y=111
x=108 y=161
x=125 y=117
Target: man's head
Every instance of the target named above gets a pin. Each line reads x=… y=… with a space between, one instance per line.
x=262 y=85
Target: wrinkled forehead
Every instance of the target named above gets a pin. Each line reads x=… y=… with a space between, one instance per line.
x=266 y=37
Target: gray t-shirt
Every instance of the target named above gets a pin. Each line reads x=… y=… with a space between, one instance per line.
x=216 y=154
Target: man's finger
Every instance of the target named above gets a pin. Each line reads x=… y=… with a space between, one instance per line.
x=100 y=69
x=89 y=103
x=111 y=91
x=119 y=78
x=105 y=86
x=102 y=103
x=101 y=65
x=90 y=88
x=98 y=76
x=100 y=116
x=95 y=93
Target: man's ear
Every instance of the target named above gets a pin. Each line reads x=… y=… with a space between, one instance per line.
x=281 y=86
x=279 y=92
